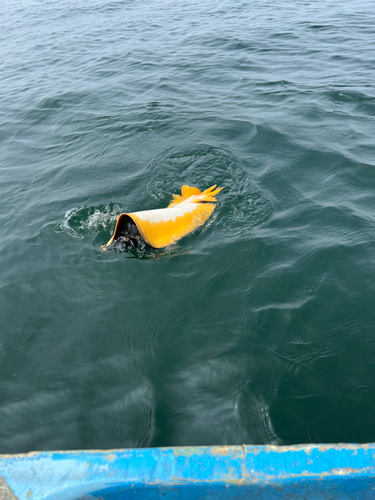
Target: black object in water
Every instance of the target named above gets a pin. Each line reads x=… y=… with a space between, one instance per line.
x=128 y=237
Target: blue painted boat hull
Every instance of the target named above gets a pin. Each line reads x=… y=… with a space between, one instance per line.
x=227 y=472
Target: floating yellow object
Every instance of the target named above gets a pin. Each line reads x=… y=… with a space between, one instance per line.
x=162 y=227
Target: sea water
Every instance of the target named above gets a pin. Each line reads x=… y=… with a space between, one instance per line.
x=258 y=328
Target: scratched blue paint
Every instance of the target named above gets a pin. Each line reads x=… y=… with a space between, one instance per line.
x=217 y=472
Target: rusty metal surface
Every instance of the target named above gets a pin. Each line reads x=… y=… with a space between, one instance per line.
x=235 y=472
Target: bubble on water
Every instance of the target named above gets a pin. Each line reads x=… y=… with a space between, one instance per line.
x=89 y=221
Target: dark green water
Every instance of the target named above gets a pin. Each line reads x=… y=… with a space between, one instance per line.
x=257 y=328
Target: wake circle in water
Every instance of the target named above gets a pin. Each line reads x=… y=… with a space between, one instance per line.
x=89 y=221
x=240 y=206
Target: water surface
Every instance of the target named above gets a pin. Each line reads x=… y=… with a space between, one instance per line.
x=259 y=327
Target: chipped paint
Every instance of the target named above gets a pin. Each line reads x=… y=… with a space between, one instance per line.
x=5 y=492
x=262 y=472
x=234 y=451
x=187 y=451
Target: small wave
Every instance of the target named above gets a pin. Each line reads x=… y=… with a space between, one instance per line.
x=352 y=101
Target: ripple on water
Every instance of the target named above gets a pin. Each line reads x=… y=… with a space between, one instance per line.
x=30 y=418
x=352 y=101
x=221 y=391
x=240 y=205
x=120 y=414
